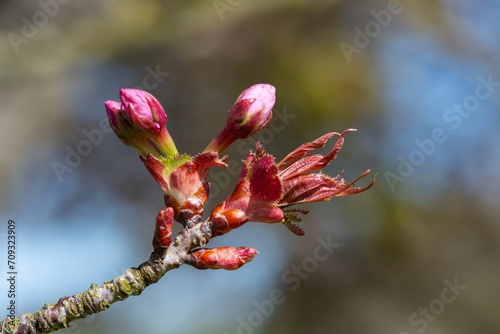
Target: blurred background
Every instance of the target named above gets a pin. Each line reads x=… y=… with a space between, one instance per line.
x=420 y=80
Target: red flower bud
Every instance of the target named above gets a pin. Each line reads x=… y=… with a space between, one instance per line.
x=228 y=258
x=163 y=231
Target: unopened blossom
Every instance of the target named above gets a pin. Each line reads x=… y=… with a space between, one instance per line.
x=163 y=230
x=266 y=189
x=184 y=181
x=139 y=121
x=228 y=258
x=251 y=112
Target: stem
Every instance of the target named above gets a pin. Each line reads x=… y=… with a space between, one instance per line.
x=132 y=282
x=225 y=138
x=165 y=143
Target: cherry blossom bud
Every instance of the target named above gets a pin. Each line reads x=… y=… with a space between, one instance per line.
x=139 y=121
x=251 y=112
x=228 y=258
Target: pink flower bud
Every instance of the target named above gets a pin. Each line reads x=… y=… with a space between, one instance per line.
x=143 y=110
x=251 y=112
x=228 y=258
x=139 y=121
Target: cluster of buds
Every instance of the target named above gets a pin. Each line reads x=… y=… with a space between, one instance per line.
x=266 y=191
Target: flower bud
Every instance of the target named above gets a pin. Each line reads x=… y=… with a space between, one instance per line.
x=163 y=231
x=251 y=112
x=228 y=258
x=139 y=121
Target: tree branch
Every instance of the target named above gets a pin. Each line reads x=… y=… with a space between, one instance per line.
x=132 y=282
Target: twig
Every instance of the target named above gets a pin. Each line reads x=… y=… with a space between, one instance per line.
x=52 y=317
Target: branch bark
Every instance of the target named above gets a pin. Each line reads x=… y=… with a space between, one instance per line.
x=52 y=317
